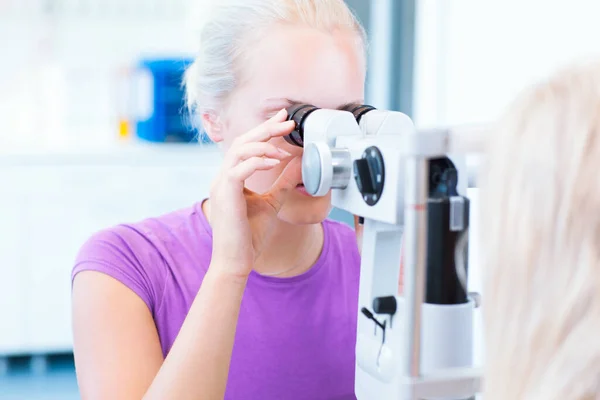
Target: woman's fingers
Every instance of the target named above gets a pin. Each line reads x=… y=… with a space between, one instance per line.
x=246 y=168
x=257 y=149
x=274 y=127
x=252 y=152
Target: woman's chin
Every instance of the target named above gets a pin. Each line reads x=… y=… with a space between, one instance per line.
x=304 y=209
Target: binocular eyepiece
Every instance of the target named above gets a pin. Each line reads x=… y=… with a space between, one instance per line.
x=299 y=114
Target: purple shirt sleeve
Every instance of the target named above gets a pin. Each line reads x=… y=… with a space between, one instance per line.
x=126 y=255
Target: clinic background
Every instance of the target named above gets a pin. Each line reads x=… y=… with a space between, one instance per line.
x=93 y=131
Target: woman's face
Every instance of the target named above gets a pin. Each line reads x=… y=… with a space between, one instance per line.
x=295 y=64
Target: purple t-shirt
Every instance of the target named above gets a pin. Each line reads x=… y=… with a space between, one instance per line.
x=295 y=337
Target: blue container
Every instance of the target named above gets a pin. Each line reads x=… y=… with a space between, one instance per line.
x=161 y=114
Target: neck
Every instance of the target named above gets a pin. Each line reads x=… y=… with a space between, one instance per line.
x=291 y=249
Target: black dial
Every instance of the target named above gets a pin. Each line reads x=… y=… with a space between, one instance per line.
x=385 y=305
x=369 y=173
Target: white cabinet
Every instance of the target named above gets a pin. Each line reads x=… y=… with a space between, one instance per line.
x=12 y=265
x=49 y=205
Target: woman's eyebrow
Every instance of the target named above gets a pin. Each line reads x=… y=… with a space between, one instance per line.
x=276 y=103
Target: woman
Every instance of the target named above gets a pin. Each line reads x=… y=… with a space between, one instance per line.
x=252 y=293
x=540 y=198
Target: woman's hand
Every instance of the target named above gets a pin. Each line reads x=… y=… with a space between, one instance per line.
x=358 y=229
x=242 y=220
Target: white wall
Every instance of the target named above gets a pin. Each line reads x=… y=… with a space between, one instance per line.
x=474 y=56
x=52 y=202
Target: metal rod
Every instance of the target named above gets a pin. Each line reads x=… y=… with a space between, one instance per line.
x=415 y=252
x=468 y=140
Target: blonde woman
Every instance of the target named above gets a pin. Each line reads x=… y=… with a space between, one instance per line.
x=252 y=293
x=540 y=224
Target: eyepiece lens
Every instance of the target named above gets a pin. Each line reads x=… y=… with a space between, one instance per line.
x=298 y=113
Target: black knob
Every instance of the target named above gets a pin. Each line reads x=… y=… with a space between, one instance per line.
x=385 y=305
x=369 y=174
x=362 y=174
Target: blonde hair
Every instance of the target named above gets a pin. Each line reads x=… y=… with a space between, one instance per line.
x=228 y=29
x=540 y=224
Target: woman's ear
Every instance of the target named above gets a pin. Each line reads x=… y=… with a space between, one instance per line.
x=212 y=126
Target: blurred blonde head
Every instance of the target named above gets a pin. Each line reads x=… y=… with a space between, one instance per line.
x=540 y=224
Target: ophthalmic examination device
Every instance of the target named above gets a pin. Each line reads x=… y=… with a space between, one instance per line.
x=406 y=189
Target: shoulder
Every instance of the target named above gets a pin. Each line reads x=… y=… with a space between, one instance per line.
x=340 y=230
x=140 y=254
x=342 y=239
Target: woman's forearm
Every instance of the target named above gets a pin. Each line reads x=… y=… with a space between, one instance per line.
x=197 y=366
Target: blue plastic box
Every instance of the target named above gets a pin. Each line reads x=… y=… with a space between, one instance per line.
x=161 y=114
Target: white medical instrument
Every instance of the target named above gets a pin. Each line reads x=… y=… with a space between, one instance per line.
x=403 y=184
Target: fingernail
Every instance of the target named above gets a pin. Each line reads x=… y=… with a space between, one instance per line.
x=281 y=112
x=282 y=151
x=271 y=161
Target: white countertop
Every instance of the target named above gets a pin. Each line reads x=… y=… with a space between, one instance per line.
x=136 y=153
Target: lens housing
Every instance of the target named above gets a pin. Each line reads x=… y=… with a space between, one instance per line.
x=298 y=114
x=358 y=110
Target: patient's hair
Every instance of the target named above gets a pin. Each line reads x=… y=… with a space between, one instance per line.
x=540 y=238
x=229 y=30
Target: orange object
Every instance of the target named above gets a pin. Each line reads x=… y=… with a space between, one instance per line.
x=123 y=129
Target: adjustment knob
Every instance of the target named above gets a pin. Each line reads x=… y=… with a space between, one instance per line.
x=369 y=174
x=385 y=305
x=324 y=168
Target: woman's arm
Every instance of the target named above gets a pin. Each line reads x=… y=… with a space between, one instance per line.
x=197 y=366
x=117 y=349
x=116 y=346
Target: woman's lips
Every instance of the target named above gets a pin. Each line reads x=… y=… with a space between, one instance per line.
x=300 y=188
